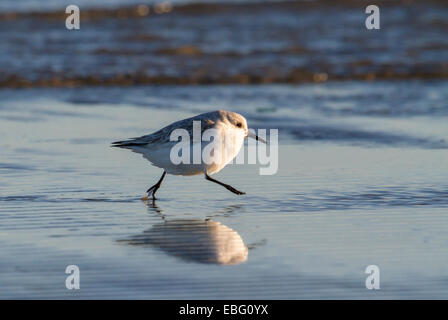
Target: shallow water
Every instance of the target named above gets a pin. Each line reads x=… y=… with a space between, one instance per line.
x=362 y=180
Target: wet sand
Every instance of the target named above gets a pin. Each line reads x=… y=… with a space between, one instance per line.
x=340 y=201
x=362 y=176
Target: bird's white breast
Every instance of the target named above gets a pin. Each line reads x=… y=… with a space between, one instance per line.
x=232 y=140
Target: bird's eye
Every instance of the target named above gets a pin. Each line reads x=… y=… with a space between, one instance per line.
x=239 y=124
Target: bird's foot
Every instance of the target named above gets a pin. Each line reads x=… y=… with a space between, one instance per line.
x=150 y=194
x=232 y=189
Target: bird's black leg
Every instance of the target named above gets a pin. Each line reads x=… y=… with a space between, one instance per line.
x=228 y=187
x=155 y=187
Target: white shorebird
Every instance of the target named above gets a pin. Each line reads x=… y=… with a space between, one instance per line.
x=156 y=147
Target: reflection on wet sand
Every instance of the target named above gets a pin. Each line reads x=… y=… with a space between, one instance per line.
x=203 y=241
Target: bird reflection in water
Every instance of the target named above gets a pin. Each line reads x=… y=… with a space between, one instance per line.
x=203 y=241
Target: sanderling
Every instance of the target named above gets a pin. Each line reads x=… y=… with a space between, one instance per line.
x=231 y=128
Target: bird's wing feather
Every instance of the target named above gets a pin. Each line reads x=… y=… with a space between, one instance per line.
x=162 y=136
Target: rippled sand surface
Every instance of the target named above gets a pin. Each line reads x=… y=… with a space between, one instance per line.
x=362 y=180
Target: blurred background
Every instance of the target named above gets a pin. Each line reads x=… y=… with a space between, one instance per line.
x=127 y=42
x=362 y=118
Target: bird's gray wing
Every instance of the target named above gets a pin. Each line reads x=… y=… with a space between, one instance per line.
x=162 y=136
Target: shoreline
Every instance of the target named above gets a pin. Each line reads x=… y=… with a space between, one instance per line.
x=130 y=80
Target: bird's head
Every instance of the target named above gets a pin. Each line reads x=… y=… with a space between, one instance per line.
x=239 y=123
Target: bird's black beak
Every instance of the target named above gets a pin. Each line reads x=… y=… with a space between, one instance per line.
x=252 y=135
